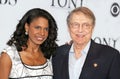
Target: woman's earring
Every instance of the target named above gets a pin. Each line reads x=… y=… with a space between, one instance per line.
x=26 y=33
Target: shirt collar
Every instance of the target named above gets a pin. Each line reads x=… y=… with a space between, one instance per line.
x=84 y=51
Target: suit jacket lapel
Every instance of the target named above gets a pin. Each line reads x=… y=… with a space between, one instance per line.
x=92 y=54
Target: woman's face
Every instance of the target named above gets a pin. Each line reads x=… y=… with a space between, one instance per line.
x=37 y=30
x=80 y=28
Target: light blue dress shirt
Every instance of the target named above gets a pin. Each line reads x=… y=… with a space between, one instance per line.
x=75 y=65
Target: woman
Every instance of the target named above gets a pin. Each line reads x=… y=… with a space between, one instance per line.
x=30 y=48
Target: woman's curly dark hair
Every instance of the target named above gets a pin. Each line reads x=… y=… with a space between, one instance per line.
x=19 y=38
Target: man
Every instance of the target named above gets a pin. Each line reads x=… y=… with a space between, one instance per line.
x=83 y=58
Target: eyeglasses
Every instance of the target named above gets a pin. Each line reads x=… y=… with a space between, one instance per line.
x=83 y=25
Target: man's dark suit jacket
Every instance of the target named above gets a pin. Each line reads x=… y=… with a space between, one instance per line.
x=102 y=62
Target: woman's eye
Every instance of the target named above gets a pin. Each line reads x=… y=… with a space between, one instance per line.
x=46 y=29
x=37 y=27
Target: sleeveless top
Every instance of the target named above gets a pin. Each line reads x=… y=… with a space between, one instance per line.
x=20 y=70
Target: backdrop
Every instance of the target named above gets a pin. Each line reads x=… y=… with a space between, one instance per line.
x=107 y=14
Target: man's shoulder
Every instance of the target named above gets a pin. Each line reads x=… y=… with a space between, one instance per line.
x=65 y=46
x=106 y=48
x=62 y=49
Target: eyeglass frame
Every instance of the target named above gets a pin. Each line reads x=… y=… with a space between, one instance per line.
x=76 y=25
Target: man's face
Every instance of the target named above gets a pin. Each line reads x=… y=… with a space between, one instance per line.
x=80 y=28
